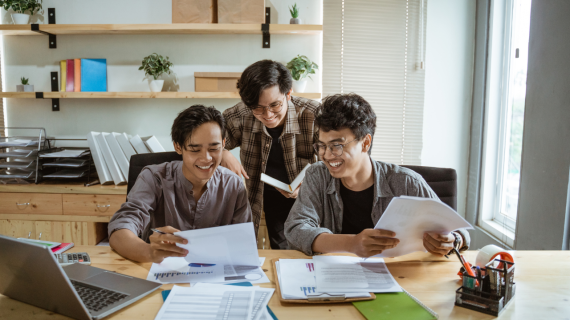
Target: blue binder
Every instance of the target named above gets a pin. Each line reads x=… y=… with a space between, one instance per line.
x=93 y=75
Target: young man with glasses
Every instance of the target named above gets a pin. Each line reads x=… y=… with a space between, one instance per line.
x=275 y=133
x=190 y=194
x=344 y=195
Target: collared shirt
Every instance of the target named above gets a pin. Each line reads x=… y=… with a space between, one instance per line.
x=245 y=131
x=162 y=196
x=319 y=206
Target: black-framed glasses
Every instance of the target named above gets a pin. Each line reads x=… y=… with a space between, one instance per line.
x=335 y=148
x=275 y=107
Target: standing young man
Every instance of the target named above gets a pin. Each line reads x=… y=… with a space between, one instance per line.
x=344 y=195
x=190 y=194
x=275 y=133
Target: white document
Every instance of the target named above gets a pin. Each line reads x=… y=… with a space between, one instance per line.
x=17 y=143
x=118 y=154
x=261 y=297
x=411 y=217
x=352 y=274
x=297 y=279
x=139 y=145
x=152 y=144
x=283 y=186
x=126 y=146
x=220 y=302
x=178 y=270
x=66 y=153
x=112 y=164
x=100 y=165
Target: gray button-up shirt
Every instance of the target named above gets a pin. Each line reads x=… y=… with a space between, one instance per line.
x=319 y=207
x=162 y=196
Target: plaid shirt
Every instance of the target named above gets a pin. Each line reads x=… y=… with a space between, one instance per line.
x=245 y=131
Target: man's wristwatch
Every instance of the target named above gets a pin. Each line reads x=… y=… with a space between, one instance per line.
x=457 y=241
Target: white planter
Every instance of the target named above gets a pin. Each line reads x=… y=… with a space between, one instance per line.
x=20 y=18
x=24 y=88
x=299 y=86
x=156 y=85
x=295 y=21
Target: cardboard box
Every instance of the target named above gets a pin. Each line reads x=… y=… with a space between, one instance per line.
x=216 y=81
x=194 y=11
x=241 y=11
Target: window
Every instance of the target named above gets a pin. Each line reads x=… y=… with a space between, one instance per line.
x=506 y=90
x=376 y=49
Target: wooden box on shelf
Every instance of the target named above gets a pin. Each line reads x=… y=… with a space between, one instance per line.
x=194 y=11
x=216 y=81
x=241 y=11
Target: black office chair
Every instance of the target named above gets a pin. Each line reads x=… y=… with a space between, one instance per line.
x=443 y=181
x=139 y=161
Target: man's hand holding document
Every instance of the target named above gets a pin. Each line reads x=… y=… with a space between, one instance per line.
x=414 y=220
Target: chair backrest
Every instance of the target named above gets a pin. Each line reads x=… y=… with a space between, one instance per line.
x=139 y=161
x=443 y=181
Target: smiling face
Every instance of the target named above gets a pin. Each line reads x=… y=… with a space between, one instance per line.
x=354 y=152
x=271 y=97
x=202 y=153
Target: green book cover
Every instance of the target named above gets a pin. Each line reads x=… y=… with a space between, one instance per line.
x=398 y=305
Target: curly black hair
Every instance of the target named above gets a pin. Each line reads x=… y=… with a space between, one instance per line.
x=191 y=118
x=350 y=111
x=261 y=75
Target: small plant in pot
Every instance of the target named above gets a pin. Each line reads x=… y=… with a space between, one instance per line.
x=25 y=86
x=301 y=67
x=294 y=15
x=155 y=65
x=22 y=9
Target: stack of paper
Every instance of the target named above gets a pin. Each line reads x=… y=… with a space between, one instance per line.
x=208 y=301
x=66 y=153
x=297 y=280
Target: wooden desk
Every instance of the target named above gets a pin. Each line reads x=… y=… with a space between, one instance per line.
x=542 y=277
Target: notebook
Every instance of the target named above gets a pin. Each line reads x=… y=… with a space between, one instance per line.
x=56 y=247
x=62 y=247
x=283 y=186
x=398 y=305
x=77 y=75
x=70 y=78
x=93 y=75
x=63 y=73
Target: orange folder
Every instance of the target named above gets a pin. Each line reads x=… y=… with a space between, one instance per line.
x=77 y=86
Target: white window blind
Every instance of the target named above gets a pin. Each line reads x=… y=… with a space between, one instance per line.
x=376 y=49
x=2 y=118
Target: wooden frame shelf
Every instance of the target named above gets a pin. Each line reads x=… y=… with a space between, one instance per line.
x=139 y=95
x=183 y=28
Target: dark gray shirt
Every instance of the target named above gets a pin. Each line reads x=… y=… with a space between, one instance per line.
x=162 y=196
x=319 y=206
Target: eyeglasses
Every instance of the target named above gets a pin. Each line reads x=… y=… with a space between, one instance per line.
x=274 y=108
x=335 y=148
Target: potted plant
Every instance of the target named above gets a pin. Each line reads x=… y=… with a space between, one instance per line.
x=24 y=87
x=301 y=67
x=155 y=65
x=20 y=7
x=295 y=15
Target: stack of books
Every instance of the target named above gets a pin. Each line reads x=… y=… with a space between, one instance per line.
x=83 y=75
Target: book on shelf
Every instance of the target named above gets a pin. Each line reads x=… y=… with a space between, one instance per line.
x=77 y=77
x=63 y=73
x=138 y=144
x=70 y=77
x=153 y=145
x=118 y=153
x=93 y=75
x=123 y=140
x=112 y=164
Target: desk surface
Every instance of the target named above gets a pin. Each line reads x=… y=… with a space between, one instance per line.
x=542 y=277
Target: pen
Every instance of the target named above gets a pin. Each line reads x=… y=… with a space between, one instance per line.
x=465 y=265
x=158 y=231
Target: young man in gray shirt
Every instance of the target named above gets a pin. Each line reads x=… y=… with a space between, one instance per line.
x=193 y=193
x=344 y=195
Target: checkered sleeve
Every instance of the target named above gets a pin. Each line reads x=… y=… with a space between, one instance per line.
x=234 y=128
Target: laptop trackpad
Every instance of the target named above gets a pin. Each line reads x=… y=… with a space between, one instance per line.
x=81 y=272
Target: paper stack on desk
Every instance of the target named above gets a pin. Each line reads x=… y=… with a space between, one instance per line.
x=210 y=301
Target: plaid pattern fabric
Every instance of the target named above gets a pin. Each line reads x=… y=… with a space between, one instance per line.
x=245 y=131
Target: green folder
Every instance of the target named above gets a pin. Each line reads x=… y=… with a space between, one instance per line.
x=398 y=305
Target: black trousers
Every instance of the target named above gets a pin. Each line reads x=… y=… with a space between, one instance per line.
x=276 y=207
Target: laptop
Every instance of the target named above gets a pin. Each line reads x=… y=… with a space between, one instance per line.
x=30 y=273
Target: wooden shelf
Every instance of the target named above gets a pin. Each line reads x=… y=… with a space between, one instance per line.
x=59 y=186
x=139 y=95
x=190 y=28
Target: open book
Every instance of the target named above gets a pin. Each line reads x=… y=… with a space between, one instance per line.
x=286 y=187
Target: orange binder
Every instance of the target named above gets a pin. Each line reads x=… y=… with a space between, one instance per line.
x=77 y=87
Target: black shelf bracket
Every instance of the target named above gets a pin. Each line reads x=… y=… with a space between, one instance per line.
x=266 y=40
x=54 y=101
x=52 y=38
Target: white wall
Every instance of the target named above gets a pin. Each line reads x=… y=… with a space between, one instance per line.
x=450 y=39
x=29 y=56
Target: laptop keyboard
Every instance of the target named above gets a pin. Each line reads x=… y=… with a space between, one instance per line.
x=96 y=298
